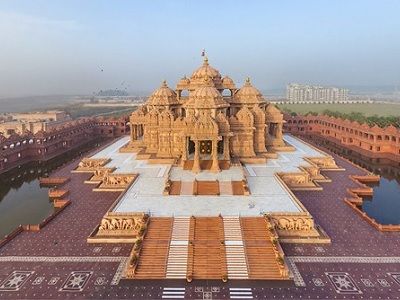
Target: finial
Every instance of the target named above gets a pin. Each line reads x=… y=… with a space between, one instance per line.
x=248 y=81
x=164 y=83
x=205 y=61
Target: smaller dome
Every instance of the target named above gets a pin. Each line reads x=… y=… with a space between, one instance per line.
x=273 y=114
x=183 y=84
x=163 y=96
x=227 y=82
x=271 y=109
x=248 y=94
x=184 y=80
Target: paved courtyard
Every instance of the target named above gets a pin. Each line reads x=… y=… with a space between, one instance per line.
x=361 y=263
x=267 y=193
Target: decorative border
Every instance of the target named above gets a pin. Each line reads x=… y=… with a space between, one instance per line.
x=346 y=259
x=54 y=259
x=120 y=270
x=299 y=281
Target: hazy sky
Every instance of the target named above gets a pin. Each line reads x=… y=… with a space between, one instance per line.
x=60 y=47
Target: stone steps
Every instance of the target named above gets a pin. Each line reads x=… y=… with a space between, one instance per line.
x=178 y=249
x=235 y=254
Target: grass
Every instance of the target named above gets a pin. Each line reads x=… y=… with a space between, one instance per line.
x=79 y=110
x=367 y=109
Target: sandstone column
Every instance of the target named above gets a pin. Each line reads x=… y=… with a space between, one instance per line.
x=196 y=160
x=226 y=148
x=279 y=127
x=184 y=152
x=133 y=133
x=215 y=166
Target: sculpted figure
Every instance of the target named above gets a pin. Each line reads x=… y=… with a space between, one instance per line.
x=115 y=224
x=105 y=224
x=128 y=223
x=299 y=224
x=283 y=223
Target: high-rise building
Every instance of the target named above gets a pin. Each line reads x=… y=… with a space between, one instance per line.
x=299 y=93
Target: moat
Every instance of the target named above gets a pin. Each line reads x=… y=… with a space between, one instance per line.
x=384 y=205
x=22 y=199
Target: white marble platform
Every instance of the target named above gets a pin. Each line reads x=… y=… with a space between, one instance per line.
x=233 y=174
x=267 y=193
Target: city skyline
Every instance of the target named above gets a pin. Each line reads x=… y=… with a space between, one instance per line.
x=78 y=48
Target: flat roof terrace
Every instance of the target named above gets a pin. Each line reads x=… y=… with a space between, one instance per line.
x=267 y=193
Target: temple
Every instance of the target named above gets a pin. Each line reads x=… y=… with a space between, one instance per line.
x=206 y=179
x=215 y=122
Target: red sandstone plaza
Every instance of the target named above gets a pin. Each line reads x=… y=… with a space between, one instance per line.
x=207 y=198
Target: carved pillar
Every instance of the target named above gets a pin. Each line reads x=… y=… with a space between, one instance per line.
x=279 y=127
x=226 y=148
x=133 y=132
x=196 y=160
x=215 y=166
x=137 y=129
x=184 y=151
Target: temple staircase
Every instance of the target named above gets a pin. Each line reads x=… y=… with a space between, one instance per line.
x=235 y=254
x=178 y=249
x=154 y=252
x=260 y=253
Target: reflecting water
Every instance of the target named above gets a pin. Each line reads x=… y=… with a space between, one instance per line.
x=384 y=205
x=22 y=200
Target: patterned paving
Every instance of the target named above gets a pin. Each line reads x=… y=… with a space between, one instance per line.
x=57 y=263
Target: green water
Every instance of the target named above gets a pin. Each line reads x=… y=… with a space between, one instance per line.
x=22 y=200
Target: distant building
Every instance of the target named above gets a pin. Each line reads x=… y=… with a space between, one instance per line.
x=20 y=148
x=309 y=93
x=18 y=123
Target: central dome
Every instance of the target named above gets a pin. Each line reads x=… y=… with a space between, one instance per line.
x=206 y=96
x=206 y=71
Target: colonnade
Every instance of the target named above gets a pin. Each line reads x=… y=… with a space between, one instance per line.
x=136 y=131
x=214 y=154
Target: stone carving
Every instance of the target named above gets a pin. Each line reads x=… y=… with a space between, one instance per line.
x=326 y=162
x=293 y=223
x=131 y=225
x=101 y=173
x=91 y=164
x=296 y=179
x=116 y=181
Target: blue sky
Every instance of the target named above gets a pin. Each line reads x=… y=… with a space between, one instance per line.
x=59 y=47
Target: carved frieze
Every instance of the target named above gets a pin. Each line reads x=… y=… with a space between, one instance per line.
x=298 y=179
x=123 y=225
x=326 y=162
x=293 y=224
x=117 y=181
x=91 y=164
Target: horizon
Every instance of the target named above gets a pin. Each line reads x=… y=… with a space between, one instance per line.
x=79 y=48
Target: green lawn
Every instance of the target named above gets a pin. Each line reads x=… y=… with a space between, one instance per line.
x=380 y=109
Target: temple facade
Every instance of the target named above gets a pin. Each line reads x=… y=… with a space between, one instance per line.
x=206 y=118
